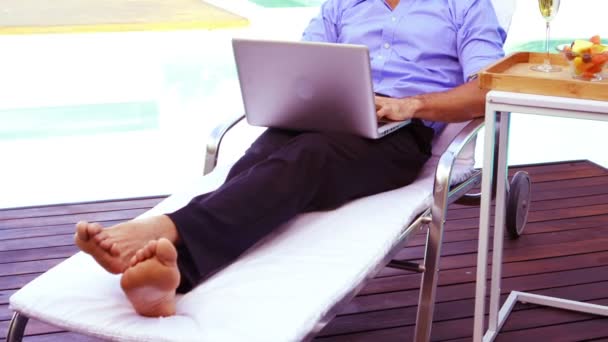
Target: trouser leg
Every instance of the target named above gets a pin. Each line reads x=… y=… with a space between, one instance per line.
x=310 y=171
x=267 y=143
x=264 y=145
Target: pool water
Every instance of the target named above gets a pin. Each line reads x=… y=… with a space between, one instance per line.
x=539 y=45
x=87 y=119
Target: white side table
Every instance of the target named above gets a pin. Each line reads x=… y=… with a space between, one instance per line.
x=499 y=103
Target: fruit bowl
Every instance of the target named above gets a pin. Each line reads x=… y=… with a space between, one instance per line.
x=586 y=58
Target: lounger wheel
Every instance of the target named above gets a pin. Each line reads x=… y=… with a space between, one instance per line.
x=518 y=204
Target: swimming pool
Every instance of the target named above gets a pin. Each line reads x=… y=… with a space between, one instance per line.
x=86 y=119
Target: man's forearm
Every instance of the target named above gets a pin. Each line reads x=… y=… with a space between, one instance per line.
x=462 y=103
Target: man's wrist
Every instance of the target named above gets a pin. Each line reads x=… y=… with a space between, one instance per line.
x=417 y=103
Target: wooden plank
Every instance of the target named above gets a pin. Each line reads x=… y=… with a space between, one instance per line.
x=449 y=260
x=541 y=315
x=550 y=167
x=553 y=226
x=555 y=189
x=470 y=246
x=5 y=312
x=4 y=295
x=518 y=320
x=72 y=219
x=522 y=317
x=451 y=306
x=509 y=255
x=570 y=183
x=541 y=226
x=79 y=208
x=458 y=291
x=588 y=221
x=33 y=327
x=568 y=193
x=35 y=266
x=14 y=282
x=558 y=214
x=460 y=275
x=576 y=331
x=559 y=172
x=567 y=174
x=40 y=331
x=63 y=337
x=448 y=310
x=37 y=242
x=20 y=233
x=38 y=253
x=563 y=213
x=463 y=328
x=538 y=205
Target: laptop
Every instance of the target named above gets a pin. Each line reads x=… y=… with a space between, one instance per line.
x=309 y=86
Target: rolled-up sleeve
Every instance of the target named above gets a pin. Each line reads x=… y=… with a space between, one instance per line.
x=480 y=37
x=324 y=27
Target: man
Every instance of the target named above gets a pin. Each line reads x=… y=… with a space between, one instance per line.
x=422 y=54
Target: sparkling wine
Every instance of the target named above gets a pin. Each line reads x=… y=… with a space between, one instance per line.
x=548 y=8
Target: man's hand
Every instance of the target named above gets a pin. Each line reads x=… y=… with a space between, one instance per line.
x=397 y=109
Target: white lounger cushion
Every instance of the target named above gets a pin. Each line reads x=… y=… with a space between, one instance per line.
x=276 y=292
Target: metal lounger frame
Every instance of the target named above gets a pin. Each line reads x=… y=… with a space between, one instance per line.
x=433 y=218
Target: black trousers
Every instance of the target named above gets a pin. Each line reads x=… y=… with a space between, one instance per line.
x=285 y=173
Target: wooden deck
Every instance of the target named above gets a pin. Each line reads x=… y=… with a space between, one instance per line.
x=563 y=252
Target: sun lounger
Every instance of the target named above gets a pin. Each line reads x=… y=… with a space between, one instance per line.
x=288 y=286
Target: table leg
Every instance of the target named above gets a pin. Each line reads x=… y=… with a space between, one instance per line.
x=499 y=222
x=484 y=223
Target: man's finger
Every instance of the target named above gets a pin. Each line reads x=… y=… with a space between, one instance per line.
x=384 y=111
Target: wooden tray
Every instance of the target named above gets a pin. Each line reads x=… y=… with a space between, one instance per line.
x=513 y=73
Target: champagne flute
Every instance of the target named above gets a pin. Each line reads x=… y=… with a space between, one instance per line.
x=548 y=9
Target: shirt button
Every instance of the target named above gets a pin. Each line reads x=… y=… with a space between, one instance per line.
x=387 y=45
x=393 y=19
x=380 y=57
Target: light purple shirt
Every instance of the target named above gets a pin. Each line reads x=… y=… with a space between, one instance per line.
x=419 y=47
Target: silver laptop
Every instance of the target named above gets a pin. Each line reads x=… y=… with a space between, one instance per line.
x=309 y=86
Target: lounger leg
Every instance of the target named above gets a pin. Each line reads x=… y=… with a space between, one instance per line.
x=428 y=286
x=16 y=328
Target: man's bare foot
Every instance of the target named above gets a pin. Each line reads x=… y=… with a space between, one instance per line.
x=114 y=247
x=151 y=279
